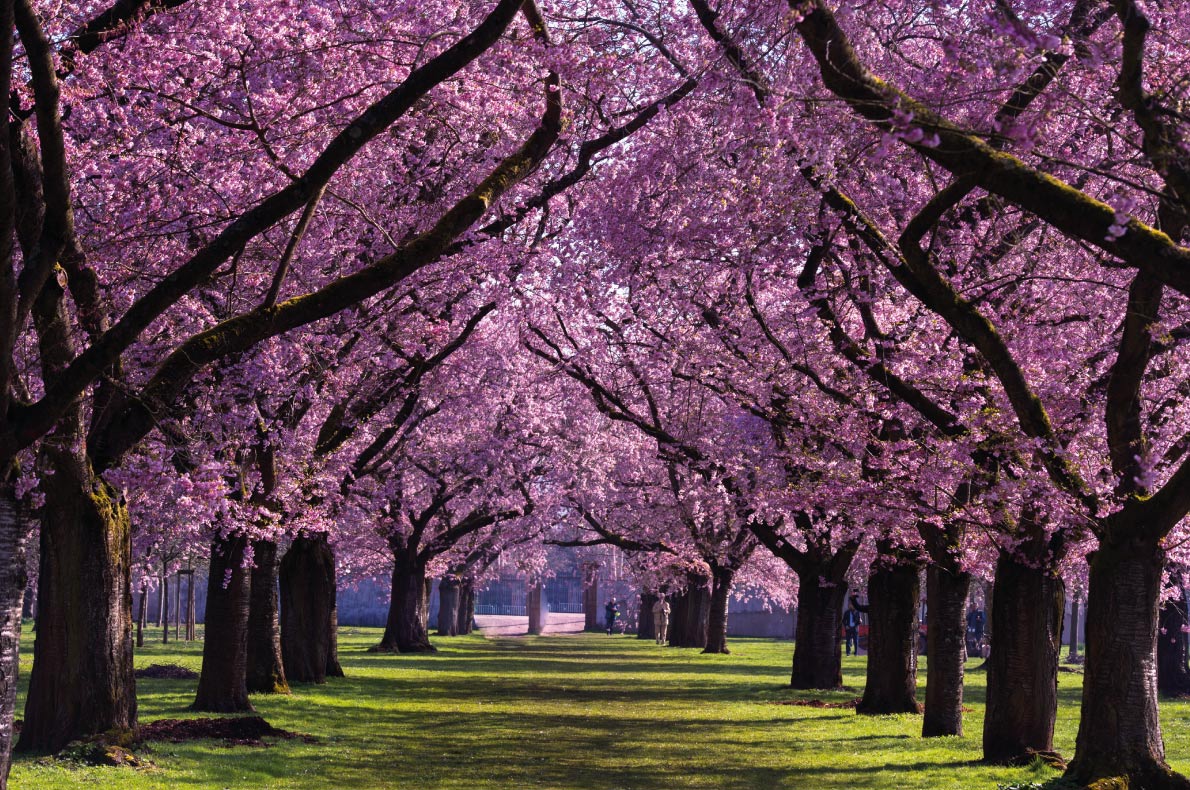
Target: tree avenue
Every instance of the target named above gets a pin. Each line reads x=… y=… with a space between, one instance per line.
x=783 y=299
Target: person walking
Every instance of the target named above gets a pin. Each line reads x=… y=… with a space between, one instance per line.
x=610 y=612
x=661 y=619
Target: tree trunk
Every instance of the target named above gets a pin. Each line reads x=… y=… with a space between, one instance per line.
x=162 y=591
x=448 y=606
x=466 y=607
x=307 y=577
x=817 y=650
x=13 y=572
x=178 y=610
x=1072 y=656
x=1119 y=733
x=689 y=614
x=164 y=608
x=1022 y=695
x=721 y=580
x=646 y=626
x=946 y=650
x=404 y=631
x=141 y=613
x=191 y=624
x=534 y=609
x=223 y=683
x=82 y=681
x=591 y=597
x=1173 y=676
x=893 y=594
x=266 y=671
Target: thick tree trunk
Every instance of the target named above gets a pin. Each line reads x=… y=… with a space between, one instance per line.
x=646 y=626
x=1173 y=676
x=82 y=681
x=141 y=613
x=1119 y=742
x=448 y=606
x=13 y=534
x=535 y=609
x=223 y=683
x=266 y=671
x=466 y=607
x=591 y=597
x=405 y=630
x=307 y=576
x=721 y=580
x=946 y=650
x=893 y=594
x=1022 y=695
x=690 y=613
x=817 y=650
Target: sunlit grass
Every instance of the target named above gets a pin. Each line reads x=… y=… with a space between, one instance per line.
x=588 y=712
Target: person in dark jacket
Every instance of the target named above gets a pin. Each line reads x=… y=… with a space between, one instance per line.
x=851 y=621
x=610 y=613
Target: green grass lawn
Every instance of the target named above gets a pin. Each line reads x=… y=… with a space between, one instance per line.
x=586 y=712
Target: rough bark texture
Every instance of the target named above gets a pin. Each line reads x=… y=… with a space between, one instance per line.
x=1119 y=742
x=448 y=606
x=12 y=589
x=82 y=681
x=946 y=650
x=533 y=604
x=307 y=576
x=1022 y=696
x=818 y=651
x=591 y=597
x=1173 y=675
x=721 y=581
x=1072 y=655
x=266 y=671
x=690 y=612
x=405 y=632
x=466 y=607
x=646 y=626
x=223 y=682
x=893 y=594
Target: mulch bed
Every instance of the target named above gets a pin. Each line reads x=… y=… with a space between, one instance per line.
x=818 y=703
x=238 y=731
x=166 y=672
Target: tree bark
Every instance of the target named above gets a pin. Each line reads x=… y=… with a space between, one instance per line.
x=448 y=606
x=1022 y=695
x=817 y=649
x=223 y=682
x=1173 y=675
x=164 y=607
x=1119 y=740
x=191 y=624
x=591 y=597
x=893 y=594
x=946 y=650
x=162 y=591
x=13 y=572
x=405 y=632
x=721 y=580
x=690 y=612
x=534 y=609
x=646 y=626
x=307 y=574
x=82 y=681
x=466 y=607
x=1072 y=656
x=266 y=671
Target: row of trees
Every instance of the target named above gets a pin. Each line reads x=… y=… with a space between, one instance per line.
x=754 y=290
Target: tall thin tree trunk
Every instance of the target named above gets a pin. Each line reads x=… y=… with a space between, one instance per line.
x=266 y=672
x=162 y=594
x=1119 y=742
x=141 y=612
x=893 y=594
x=178 y=610
x=817 y=649
x=405 y=632
x=308 y=622
x=946 y=650
x=721 y=580
x=13 y=572
x=164 y=608
x=1072 y=655
x=1022 y=695
x=448 y=606
x=191 y=624
x=222 y=685
x=591 y=597
x=82 y=681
